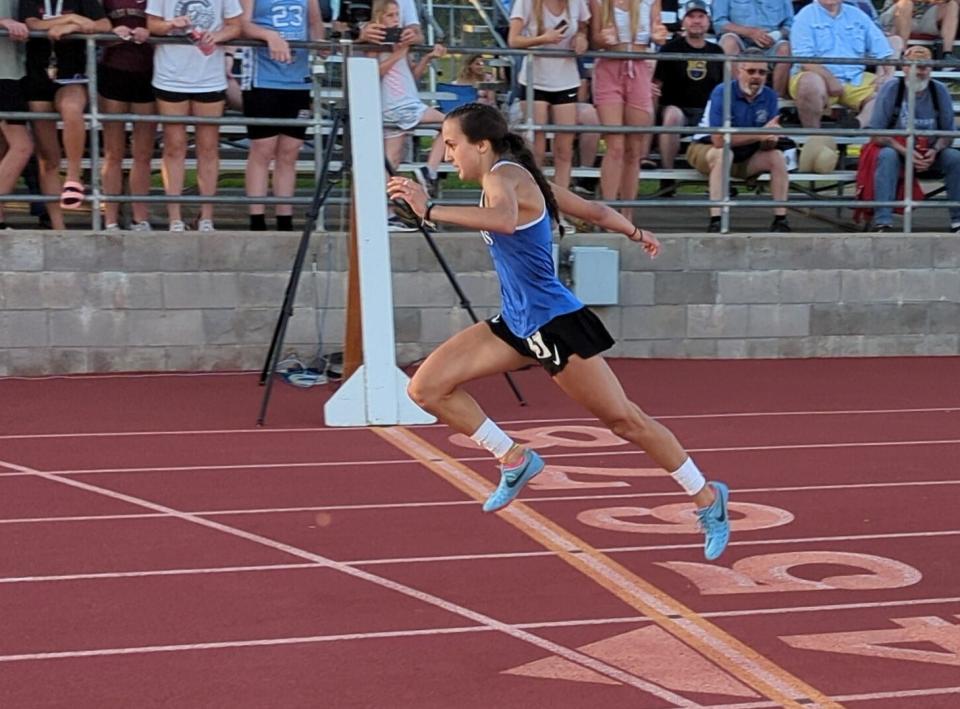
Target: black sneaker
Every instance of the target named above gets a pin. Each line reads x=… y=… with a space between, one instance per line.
x=780 y=226
x=882 y=228
x=713 y=227
x=668 y=188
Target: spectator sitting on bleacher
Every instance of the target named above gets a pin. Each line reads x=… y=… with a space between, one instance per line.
x=685 y=86
x=834 y=29
x=937 y=18
x=764 y=24
x=56 y=81
x=14 y=136
x=752 y=105
x=623 y=88
x=124 y=74
x=401 y=102
x=191 y=81
x=933 y=111
x=278 y=88
x=551 y=24
x=473 y=71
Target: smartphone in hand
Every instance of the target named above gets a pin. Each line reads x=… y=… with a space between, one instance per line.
x=562 y=26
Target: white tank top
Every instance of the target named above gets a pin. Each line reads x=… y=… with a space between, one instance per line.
x=621 y=18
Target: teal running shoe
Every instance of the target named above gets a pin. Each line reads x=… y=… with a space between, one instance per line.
x=715 y=522
x=512 y=481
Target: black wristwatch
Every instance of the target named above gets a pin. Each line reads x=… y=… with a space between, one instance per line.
x=426 y=214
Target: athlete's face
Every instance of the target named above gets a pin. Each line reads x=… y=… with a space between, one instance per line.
x=461 y=153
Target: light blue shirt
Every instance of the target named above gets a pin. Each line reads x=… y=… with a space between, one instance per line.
x=851 y=34
x=765 y=14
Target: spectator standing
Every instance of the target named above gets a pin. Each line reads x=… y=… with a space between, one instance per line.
x=622 y=88
x=56 y=81
x=124 y=77
x=752 y=105
x=685 y=85
x=551 y=24
x=17 y=145
x=400 y=99
x=279 y=88
x=191 y=81
x=937 y=18
x=933 y=110
x=764 y=24
x=834 y=29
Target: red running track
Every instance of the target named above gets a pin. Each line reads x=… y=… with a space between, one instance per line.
x=160 y=551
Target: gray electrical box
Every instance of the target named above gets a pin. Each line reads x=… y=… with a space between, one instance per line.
x=595 y=272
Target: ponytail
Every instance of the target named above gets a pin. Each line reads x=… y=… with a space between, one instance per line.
x=519 y=150
x=481 y=122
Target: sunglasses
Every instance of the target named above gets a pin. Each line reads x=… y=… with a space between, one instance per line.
x=756 y=72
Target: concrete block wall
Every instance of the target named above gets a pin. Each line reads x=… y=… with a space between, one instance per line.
x=77 y=302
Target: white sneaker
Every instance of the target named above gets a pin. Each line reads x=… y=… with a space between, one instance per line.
x=141 y=226
x=114 y=227
x=177 y=225
x=205 y=225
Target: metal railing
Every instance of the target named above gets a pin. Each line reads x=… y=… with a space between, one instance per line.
x=320 y=124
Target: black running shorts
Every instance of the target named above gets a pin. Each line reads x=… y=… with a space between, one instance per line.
x=578 y=333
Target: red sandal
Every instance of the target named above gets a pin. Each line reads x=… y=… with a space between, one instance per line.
x=72 y=195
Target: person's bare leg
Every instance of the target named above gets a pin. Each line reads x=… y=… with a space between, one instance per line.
x=470 y=354
x=208 y=153
x=143 y=144
x=593 y=385
x=48 y=161
x=670 y=142
x=565 y=115
x=811 y=99
x=541 y=114
x=114 y=147
x=772 y=161
x=285 y=171
x=947 y=16
x=611 y=167
x=633 y=154
x=257 y=175
x=715 y=161
x=174 y=154
x=19 y=148
x=781 y=71
x=70 y=102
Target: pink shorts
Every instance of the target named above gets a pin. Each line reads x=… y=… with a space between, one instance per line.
x=624 y=81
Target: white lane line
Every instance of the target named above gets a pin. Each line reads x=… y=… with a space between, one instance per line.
x=479 y=458
x=422 y=596
x=559 y=421
x=470 y=503
x=474 y=557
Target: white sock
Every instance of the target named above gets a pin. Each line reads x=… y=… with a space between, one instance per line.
x=689 y=477
x=491 y=437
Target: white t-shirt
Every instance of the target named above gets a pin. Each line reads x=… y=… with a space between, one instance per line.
x=408 y=13
x=552 y=74
x=183 y=68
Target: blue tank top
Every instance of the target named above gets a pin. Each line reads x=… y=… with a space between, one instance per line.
x=531 y=295
x=289 y=19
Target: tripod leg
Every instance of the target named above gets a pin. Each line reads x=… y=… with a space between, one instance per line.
x=286 y=310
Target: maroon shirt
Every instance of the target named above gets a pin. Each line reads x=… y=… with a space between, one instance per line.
x=128 y=56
